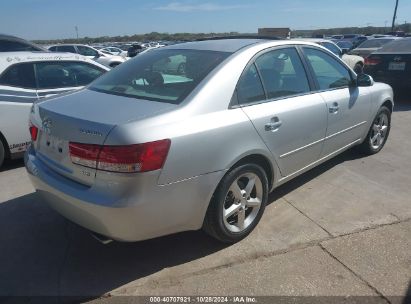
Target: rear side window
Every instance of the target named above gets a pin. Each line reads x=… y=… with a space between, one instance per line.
x=282 y=73
x=19 y=75
x=160 y=75
x=66 y=48
x=86 y=51
x=249 y=88
x=329 y=73
x=65 y=74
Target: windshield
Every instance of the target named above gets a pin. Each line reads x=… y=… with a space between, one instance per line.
x=374 y=43
x=160 y=75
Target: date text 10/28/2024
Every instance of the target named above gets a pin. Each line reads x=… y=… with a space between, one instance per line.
x=202 y=299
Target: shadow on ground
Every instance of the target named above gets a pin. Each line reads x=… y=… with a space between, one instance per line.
x=43 y=254
x=10 y=164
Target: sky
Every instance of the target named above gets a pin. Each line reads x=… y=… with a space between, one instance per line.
x=56 y=19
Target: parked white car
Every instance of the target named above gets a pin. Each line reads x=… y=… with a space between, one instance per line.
x=26 y=77
x=90 y=52
x=114 y=51
x=353 y=61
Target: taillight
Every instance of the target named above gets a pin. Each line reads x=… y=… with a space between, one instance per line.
x=372 y=60
x=34 y=131
x=84 y=155
x=128 y=159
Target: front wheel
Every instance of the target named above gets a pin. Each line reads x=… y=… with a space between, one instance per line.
x=378 y=133
x=238 y=204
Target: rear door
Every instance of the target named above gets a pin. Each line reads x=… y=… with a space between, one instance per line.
x=348 y=105
x=17 y=93
x=275 y=92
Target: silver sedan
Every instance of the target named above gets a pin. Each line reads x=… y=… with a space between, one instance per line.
x=141 y=153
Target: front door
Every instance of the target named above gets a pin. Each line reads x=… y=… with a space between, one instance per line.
x=347 y=104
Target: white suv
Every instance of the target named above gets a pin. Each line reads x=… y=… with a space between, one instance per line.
x=89 y=52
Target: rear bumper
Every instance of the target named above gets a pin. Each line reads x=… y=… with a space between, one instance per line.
x=126 y=215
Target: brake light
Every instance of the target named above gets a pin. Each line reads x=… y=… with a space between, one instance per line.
x=84 y=154
x=33 y=132
x=372 y=60
x=127 y=159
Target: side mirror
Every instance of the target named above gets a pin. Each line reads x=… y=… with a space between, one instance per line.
x=97 y=55
x=364 y=80
x=344 y=51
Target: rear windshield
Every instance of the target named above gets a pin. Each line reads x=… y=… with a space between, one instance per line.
x=374 y=43
x=160 y=75
x=400 y=45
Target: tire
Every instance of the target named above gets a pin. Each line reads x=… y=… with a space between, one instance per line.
x=181 y=70
x=2 y=153
x=114 y=64
x=378 y=133
x=358 y=68
x=234 y=209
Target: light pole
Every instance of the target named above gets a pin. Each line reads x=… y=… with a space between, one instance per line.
x=76 y=28
x=395 y=16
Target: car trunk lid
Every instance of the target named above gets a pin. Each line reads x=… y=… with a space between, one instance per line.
x=85 y=117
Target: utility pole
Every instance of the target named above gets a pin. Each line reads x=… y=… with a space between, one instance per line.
x=76 y=28
x=395 y=16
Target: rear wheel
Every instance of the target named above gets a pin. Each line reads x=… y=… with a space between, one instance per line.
x=238 y=204
x=2 y=153
x=358 y=68
x=378 y=133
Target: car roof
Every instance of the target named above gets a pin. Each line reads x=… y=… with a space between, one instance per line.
x=315 y=40
x=230 y=45
x=9 y=58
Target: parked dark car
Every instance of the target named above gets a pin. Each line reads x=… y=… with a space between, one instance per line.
x=371 y=45
x=14 y=44
x=391 y=64
x=134 y=50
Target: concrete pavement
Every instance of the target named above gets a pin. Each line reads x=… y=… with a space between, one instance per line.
x=342 y=229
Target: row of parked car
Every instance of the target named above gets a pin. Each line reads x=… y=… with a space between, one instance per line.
x=29 y=72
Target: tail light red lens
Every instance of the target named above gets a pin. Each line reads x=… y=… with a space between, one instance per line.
x=372 y=61
x=84 y=155
x=128 y=159
x=34 y=131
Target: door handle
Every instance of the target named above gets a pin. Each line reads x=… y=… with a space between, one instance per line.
x=273 y=125
x=334 y=108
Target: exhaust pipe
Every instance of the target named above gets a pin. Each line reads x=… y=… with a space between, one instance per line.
x=101 y=238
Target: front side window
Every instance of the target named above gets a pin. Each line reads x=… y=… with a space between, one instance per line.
x=65 y=74
x=160 y=75
x=86 y=51
x=282 y=73
x=329 y=73
x=19 y=75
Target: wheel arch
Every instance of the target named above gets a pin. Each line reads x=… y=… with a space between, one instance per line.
x=261 y=160
x=6 y=145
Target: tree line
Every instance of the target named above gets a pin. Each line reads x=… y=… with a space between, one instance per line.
x=156 y=36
